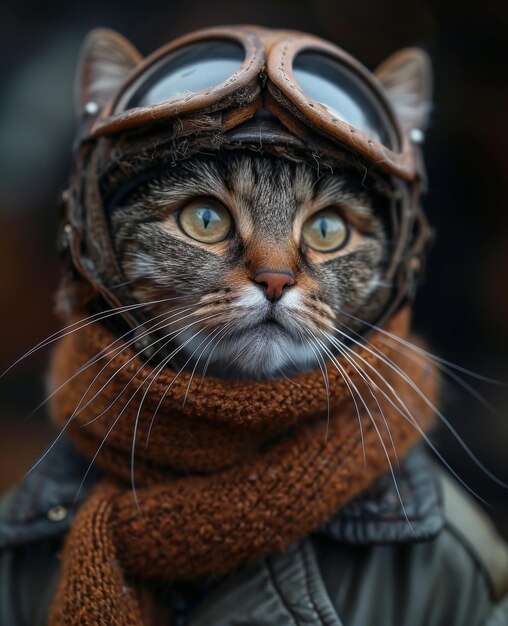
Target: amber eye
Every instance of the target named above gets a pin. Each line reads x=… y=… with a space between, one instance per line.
x=325 y=231
x=205 y=220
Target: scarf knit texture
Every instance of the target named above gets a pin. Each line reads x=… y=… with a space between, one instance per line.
x=227 y=472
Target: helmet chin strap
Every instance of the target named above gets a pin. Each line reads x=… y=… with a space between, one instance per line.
x=91 y=265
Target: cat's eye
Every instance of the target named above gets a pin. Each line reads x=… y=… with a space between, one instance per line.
x=325 y=231
x=207 y=221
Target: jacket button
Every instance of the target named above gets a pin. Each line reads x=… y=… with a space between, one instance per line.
x=57 y=513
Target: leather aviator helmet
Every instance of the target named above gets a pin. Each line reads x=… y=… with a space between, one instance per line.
x=238 y=87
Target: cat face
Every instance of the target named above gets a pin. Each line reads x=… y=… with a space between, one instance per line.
x=264 y=252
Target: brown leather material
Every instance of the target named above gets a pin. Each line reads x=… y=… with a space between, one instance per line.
x=260 y=132
x=232 y=118
x=113 y=119
x=232 y=470
x=280 y=72
x=282 y=47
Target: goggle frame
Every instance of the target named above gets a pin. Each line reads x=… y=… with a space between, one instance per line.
x=267 y=67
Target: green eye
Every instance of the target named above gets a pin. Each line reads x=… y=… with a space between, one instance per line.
x=207 y=221
x=325 y=231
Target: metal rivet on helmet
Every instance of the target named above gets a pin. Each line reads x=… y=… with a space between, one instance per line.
x=416 y=135
x=415 y=264
x=91 y=108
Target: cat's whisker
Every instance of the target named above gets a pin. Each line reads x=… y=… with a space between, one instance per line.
x=90 y=319
x=342 y=348
x=430 y=404
x=110 y=430
x=166 y=391
x=104 y=353
x=62 y=430
x=163 y=364
x=169 y=338
x=209 y=358
x=418 y=355
x=66 y=425
x=357 y=409
x=422 y=351
x=289 y=380
x=124 y=284
x=240 y=354
x=416 y=358
x=79 y=408
x=286 y=352
x=154 y=375
x=209 y=340
x=351 y=355
x=406 y=414
x=324 y=373
x=379 y=408
x=116 y=420
x=290 y=358
x=378 y=433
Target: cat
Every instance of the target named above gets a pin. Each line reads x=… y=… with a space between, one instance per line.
x=215 y=228
x=245 y=264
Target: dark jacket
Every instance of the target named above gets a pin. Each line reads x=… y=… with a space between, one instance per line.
x=442 y=565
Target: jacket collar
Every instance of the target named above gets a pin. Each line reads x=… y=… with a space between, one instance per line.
x=381 y=515
x=43 y=506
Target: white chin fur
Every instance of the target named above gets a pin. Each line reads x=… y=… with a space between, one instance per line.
x=265 y=352
x=258 y=349
x=260 y=353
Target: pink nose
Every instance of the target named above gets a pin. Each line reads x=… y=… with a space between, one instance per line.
x=274 y=283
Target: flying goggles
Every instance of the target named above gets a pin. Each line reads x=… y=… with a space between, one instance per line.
x=307 y=83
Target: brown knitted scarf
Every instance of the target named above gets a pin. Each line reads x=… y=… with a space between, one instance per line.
x=237 y=471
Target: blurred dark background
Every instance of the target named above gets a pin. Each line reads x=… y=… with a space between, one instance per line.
x=462 y=309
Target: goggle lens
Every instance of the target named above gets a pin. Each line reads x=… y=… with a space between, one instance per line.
x=340 y=92
x=186 y=71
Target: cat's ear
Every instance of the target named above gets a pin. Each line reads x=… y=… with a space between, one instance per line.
x=105 y=60
x=407 y=80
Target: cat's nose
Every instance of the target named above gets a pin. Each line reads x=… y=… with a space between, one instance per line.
x=274 y=282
